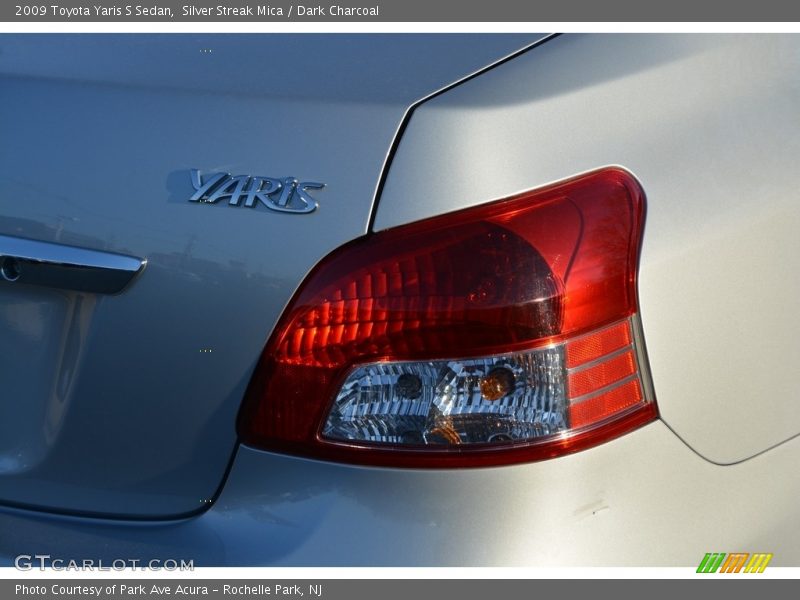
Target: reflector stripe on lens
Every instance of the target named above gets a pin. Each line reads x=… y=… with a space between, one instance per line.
x=599 y=375
x=597 y=408
x=602 y=375
x=598 y=344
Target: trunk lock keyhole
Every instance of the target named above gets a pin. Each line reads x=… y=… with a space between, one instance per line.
x=9 y=268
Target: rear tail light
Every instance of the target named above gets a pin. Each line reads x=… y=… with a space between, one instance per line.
x=498 y=334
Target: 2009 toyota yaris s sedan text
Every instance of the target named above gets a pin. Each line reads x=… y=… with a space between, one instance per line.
x=399 y=300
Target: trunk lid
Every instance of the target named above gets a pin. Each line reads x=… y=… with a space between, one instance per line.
x=125 y=404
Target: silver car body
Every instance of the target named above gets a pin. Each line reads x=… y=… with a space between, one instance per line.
x=117 y=413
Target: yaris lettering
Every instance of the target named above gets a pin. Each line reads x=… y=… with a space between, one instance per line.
x=283 y=195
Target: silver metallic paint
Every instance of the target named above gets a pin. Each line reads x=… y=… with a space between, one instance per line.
x=709 y=124
x=155 y=376
x=643 y=499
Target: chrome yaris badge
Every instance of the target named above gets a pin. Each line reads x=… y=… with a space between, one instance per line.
x=284 y=195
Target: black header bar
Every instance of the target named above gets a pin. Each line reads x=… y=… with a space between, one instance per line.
x=464 y=11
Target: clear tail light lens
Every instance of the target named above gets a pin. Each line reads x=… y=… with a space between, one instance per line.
x=502 y=333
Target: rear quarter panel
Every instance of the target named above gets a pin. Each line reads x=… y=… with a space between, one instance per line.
x=710 y=126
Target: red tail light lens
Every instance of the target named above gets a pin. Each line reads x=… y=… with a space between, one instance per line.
x=501 y=333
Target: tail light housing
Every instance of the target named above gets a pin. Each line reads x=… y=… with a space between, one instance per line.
x=503 y=333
